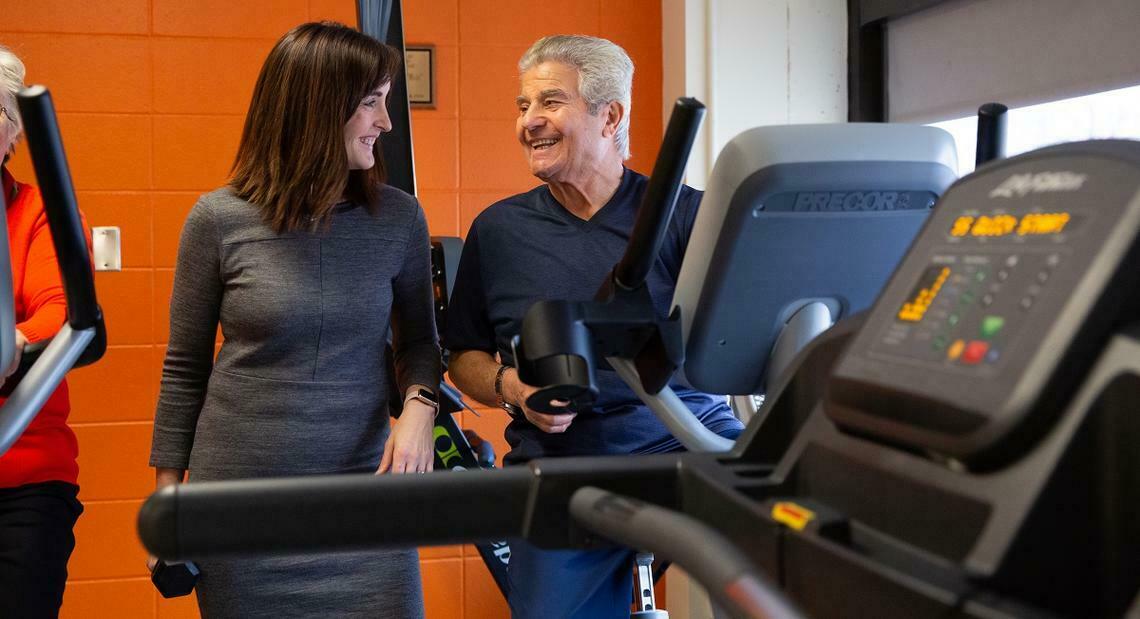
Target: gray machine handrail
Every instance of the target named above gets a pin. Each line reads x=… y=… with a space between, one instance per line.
x=672 y=412
x=40 y=382
x=807 y=323
x=699 y=549
x=7 y=308
x=804 y=326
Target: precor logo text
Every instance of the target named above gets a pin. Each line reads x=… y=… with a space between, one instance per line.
x=809 y=201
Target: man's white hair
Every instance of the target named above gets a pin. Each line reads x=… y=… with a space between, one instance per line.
x=605 y=73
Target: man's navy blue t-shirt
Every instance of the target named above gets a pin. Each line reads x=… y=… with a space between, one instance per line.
x=528 y=248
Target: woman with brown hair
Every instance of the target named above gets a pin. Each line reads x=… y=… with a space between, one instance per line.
x=305 y=258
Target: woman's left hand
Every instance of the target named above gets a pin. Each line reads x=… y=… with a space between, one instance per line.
x=21 y=341
x=409 y=448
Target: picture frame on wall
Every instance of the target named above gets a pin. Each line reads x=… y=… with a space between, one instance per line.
x=419 y=62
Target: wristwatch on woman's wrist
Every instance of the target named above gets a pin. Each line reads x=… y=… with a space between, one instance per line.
x=426 y=396
x=512 y=409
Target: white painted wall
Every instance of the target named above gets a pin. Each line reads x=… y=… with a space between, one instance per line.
x=753 y=63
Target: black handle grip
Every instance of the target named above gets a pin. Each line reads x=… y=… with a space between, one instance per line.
x=54 y=177
x=661 y=194
x=333 y=512
x=991 y=133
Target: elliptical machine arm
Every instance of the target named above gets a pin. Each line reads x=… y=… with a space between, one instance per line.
x=83 y=339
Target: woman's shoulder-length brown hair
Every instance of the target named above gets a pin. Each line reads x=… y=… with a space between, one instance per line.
x=291 y=162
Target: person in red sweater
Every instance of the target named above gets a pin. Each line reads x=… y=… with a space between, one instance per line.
x=38 y=475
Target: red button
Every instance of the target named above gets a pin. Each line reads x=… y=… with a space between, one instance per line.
x=975 y=351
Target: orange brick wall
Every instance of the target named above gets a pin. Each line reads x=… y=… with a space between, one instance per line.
x=151 y=96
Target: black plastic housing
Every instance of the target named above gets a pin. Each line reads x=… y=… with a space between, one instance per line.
x=991 y=133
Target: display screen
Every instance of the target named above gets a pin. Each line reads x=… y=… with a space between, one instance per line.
x=1031 y=224
x=919 y=299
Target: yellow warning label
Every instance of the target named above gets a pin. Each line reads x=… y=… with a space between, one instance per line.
x=792 y=515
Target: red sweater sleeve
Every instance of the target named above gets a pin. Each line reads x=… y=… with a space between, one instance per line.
x=45 y=307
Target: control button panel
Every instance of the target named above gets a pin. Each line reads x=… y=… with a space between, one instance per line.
x=986 y=326
x=965 y=308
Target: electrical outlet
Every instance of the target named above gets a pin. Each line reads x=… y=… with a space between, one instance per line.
x=105 y=243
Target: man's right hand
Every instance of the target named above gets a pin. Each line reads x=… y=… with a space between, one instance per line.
x=515 y=391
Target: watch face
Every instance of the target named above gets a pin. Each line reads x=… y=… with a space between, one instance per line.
x=430 y=395
x=513 y=410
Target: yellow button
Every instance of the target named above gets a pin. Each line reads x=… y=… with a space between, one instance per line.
x=955 y=350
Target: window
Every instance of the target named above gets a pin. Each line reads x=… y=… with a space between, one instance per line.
x=1110 y=114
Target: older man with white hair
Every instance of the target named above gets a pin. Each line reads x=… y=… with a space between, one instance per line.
x=558 y=241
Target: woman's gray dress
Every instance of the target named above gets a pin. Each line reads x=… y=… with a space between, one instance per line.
x=299 y=386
